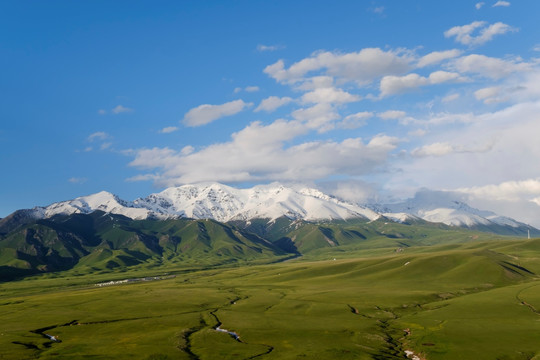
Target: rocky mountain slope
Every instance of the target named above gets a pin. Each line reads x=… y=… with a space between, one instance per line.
x=273 y=201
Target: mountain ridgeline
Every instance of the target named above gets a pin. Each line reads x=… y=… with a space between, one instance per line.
x=212 y=224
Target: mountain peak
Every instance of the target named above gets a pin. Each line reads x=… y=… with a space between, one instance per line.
x=271 y=201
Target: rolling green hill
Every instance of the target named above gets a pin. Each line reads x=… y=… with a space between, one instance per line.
x=100 y=241
x=464 y=300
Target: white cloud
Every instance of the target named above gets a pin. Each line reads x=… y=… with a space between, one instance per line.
x=489 y=67
x=272 y=103
x=329 y=95
x=439 y=77
x=105 y=146
x=77 y=180
x=186 y=150
x=479 y=5
x=449 y=98
x=501 y=3
x=204 y=114
x=354 y=121
x=445 y=148
x=259 y=153
x=357 y=191
x=464 y=34
x=508 y=190
x=391 y=85
x=518 y=199
x=447 y=119
x=102 y=112
x=362 y=67
x=319 y=117
x=263 y=48
x=435 y=149
x=121 y=109
x=418 y=132
x=492 y=147
x=379 y=10
x=489 y=95
x=100 y=135
x=536 y=47
x=315 y=82
x=250 y=89
x=168 y=129
x=392 y=114
x=437 y=56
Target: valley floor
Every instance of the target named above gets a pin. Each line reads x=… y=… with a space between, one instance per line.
x=462 y=301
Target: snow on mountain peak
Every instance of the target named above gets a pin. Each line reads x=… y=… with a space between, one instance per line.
x=103 y=201
x=448 y=208
x=225 y=203
x=271 y=201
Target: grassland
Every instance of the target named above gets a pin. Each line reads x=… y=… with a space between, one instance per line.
x=469 y=300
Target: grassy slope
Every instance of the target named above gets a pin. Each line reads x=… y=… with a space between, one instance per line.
x=98 y=242
x=475 y=300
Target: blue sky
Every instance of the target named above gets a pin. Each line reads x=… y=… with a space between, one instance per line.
x=368 y=100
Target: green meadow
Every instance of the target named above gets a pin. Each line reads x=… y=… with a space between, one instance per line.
x=470 y=300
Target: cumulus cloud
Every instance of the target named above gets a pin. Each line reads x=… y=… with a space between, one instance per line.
x=121 y=109
x=315 y=82
x=435 y=149
x=508 y=190
x=519 y=199
x=437 y=57
x=186 y=150
x=259 y=152
x=489 y=67
x=362 y=67
x=319 y=117
x=449 y=98
x=354 y=121
x=418 y=132
x=168 y=129
x=272 y=103
x=204 y=114
x=489 y=95
x=391 y=85
x=501 y=3
x=464 y=34
x=491 y=147
x=479 y=5
x=329 y=95
x=391 y=114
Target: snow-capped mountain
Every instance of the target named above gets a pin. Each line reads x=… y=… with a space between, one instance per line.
x=103 y=201
x=218 y=202
x=224 y=203
x=443 y=207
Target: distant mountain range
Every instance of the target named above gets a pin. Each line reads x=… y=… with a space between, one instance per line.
x=212 y=224
x=224 y=204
